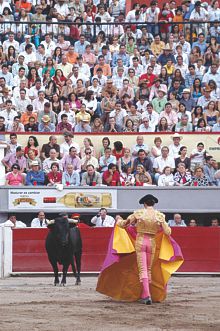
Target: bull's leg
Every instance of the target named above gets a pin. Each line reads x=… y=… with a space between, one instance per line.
x=55 y=270
x=65 y=269
x=78 y=266
x=73 y=267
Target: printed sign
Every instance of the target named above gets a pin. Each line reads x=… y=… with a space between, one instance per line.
x=65 y=200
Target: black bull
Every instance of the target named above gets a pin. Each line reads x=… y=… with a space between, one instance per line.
x=63 y=243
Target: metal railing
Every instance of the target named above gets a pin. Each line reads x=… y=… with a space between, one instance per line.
x=38 y=29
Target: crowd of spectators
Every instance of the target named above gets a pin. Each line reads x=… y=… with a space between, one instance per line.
x=102 y=219
x=88 y=66
x=113 y=164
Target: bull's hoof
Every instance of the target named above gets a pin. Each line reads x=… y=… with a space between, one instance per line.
x=56 y=282
x=78 y=282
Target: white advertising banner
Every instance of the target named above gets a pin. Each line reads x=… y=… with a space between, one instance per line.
x=36 y=199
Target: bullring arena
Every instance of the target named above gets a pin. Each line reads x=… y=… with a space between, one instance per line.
x=33 y=303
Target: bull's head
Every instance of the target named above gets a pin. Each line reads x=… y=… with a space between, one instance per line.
x=60 y=227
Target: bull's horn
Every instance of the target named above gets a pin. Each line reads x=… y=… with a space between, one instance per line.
x=72 y=221
x=50 y=222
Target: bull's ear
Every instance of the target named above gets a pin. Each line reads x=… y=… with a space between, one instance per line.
x=50 y=223
x=72 y=222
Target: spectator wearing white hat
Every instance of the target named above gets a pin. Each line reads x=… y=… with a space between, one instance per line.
x=174 y=148
x=27 y=40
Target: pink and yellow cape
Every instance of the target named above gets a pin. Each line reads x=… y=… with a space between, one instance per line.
x=119 y=275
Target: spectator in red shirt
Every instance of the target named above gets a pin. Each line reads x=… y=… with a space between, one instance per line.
x=149 y=77
x=111 y=177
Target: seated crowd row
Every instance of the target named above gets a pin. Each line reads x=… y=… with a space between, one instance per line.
x=70 y=165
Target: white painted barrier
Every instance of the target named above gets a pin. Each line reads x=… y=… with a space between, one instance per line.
x=5 y=251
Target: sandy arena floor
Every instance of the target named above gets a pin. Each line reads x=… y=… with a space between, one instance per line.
x=32 y=304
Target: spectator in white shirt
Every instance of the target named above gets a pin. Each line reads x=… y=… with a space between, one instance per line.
x=102 y=219
x=12 y=222
x=40 y=221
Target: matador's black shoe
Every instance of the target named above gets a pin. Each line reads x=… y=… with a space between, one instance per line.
x=146 y=301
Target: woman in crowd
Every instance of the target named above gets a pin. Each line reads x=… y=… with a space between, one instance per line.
x=142 y=176
x=51 y=89
x=166 y=178
x=105 y=143
x=33 y=145
x=202 y=126
x=97 y=125
x=164 y=77
x=57 y=55
x=196 y=89
x=183 y=158
x=49 y=66
x=66 y=90
x=80 y=90
x=74 y=103
x=156 y=148
x=174 y=102
x=126 y=177
x=32 y=157
x=59 y=79
x=90 y=102
x=197 y=114
x=54 y=176
x=32 y=76
x=162 y=125
x=182 y=177
x=87 y=143
x=129 y=126
x=14 y=178
x=211 y=114
x=56 y=104
x=198 y=178
x=118 y=150
x=11 y=56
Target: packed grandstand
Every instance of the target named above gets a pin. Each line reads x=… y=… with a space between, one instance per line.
x=97 y=67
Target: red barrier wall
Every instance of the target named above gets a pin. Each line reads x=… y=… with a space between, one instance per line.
x=200 y=247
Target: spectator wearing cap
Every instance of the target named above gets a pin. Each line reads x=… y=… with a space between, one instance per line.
x=47 y=111
x=146 y=126
x=174 y=148
x=166 y=56
x=35 y=177
x=155 y=88
x=46 y=125
x=159 y=102
x=188 y=101
x=27 y=40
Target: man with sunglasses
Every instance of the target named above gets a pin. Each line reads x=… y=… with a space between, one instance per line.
x=89 y=159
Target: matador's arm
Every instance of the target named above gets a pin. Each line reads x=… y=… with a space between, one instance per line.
x=131 y=219
x=160 y=217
